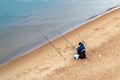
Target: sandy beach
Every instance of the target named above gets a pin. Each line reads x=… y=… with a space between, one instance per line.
x=102 y=39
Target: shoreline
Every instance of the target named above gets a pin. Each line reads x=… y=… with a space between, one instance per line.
x=72 y=29
x=44 y=63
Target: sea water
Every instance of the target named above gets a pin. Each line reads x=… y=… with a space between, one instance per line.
x=23 y=21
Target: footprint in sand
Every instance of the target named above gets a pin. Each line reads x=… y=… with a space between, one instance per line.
x=43 y=69
x=67 y=48
x=96 y=29
x=24 y=72
x=117 y=25
x=116 y=18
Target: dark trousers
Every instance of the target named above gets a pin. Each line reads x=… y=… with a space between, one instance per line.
x=82 y=55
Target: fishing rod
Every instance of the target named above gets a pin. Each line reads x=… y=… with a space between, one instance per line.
x=84 y=41
x=66 y=39
x=81 y=38
x=52 y=45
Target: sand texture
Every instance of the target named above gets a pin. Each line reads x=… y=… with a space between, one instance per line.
x=102 y=39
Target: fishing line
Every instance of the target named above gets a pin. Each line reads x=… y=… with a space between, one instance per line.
x=52 y=45
x=66 y=39
x=80 y=37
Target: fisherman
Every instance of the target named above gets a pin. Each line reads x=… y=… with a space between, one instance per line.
x=80 y=52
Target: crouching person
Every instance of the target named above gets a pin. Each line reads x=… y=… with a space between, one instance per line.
x=81 y=51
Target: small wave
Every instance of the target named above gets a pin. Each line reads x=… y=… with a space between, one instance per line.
x=29 y=1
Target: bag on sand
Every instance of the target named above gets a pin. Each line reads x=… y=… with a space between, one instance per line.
x=76 y=56
x=80 y=56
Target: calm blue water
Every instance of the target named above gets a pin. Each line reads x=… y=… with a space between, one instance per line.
x=21 y=21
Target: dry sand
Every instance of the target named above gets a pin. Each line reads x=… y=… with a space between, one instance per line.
x=102 y=38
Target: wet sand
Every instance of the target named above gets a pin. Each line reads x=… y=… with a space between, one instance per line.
x=102 y=38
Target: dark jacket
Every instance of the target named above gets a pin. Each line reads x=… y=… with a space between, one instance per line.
x=81 y=48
